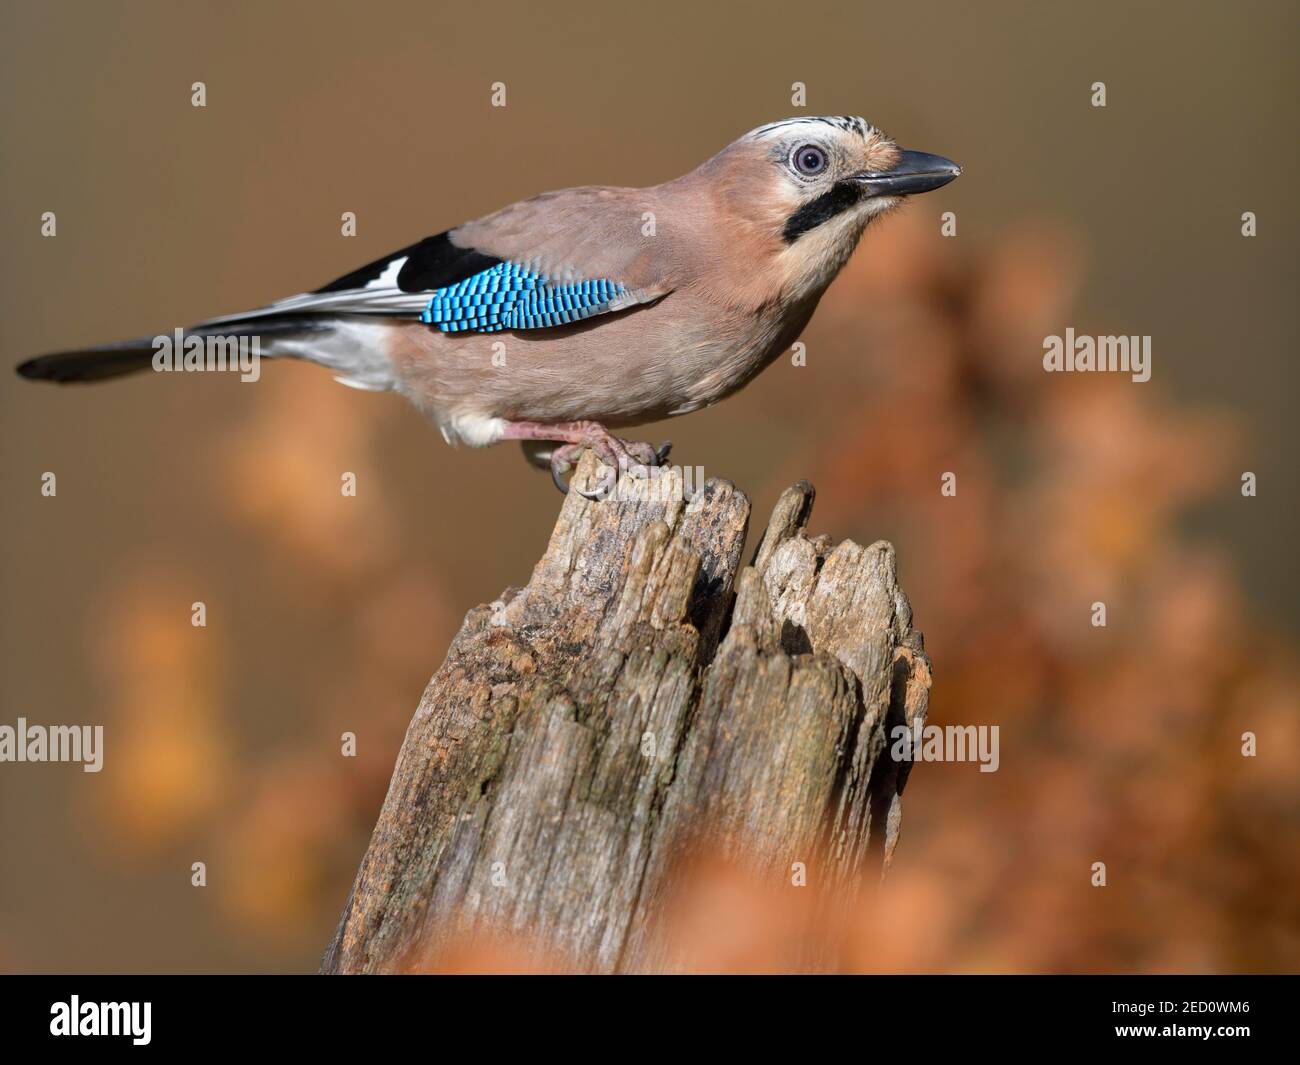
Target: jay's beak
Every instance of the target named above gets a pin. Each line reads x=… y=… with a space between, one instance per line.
x=915 y=172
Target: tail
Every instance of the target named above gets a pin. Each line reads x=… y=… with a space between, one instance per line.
x=90 y=364
x=327 y=340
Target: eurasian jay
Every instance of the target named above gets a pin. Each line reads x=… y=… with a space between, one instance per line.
x=560 y=317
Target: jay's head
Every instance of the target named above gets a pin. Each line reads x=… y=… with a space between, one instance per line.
x=807 y=187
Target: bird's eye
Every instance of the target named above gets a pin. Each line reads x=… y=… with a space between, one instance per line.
x=809 y=160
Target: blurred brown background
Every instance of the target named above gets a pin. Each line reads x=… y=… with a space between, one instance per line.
x=328 y=614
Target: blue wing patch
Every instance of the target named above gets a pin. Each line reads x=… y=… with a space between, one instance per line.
x=510 y=296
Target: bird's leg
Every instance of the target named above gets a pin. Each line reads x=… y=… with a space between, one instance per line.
x=614 y=451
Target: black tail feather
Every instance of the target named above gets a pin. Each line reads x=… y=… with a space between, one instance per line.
x=127 y=356
x=90 y=364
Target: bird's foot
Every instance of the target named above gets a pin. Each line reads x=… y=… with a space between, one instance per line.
x=618 y=455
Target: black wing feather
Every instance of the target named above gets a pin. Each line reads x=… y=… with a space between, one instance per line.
x=434 y=262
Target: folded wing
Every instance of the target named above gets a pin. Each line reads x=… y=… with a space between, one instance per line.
x=550 y=261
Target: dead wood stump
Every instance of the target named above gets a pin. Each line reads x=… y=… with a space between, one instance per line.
x=585 y=729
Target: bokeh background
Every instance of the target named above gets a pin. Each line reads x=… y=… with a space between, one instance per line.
x=328 y=614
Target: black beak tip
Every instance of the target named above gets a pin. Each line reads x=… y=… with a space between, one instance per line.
x=913 y=173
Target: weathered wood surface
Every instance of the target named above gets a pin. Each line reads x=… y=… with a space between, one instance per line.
x=642 y=688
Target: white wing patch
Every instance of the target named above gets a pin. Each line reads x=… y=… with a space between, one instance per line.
x=379 y=296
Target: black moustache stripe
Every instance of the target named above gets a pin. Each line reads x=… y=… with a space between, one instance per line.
x=839 y=198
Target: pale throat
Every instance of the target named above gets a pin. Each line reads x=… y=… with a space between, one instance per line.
x=813 y=260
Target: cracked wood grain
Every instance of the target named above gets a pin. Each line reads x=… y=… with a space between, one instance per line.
x=643 y=688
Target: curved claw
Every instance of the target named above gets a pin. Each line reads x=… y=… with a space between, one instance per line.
x=558 y=480
x=662 y=451
x=593 y=494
